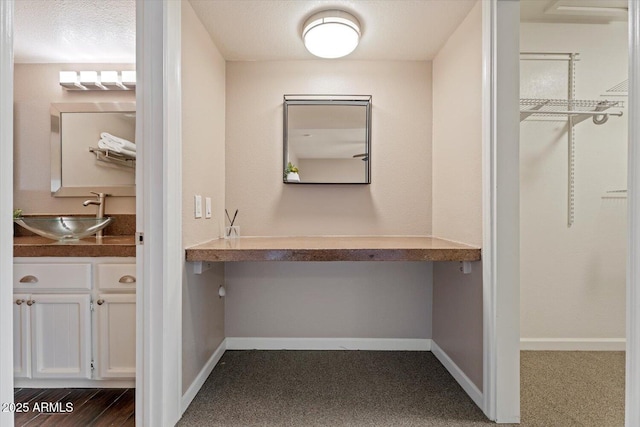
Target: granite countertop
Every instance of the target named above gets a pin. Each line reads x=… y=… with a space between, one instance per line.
x=108 y=246
x=118 y=241
x=342 y=248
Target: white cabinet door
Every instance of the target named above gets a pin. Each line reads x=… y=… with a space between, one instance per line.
x=60 y=336
x=21 y=336
x=116 y=335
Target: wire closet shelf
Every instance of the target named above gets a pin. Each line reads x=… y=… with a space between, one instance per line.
x=580 y=108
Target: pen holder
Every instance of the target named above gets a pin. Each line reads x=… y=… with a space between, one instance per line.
x=232 y=232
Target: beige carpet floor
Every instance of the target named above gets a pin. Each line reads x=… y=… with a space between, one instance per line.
x=368 y=388
x=572 y=388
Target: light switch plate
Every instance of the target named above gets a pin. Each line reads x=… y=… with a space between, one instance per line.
x=207 y=207
x=198 y=206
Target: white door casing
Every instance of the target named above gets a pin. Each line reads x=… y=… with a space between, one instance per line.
x=158 y=214
x=632 y=408
x=500 y=248
x=6 y=206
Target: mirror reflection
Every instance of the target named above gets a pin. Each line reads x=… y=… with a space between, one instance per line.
x=327 y=139
x=93 y=149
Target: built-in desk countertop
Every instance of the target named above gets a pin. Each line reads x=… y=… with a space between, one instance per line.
x=342 y=248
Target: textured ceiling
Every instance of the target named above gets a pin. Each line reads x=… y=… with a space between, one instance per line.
x=94 y=31
x=91 y=31
x=254 y=30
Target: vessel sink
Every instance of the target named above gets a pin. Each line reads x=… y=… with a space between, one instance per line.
x=64 y=228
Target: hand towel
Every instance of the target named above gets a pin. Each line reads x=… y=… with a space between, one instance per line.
x=123 y=143
x=107 y=144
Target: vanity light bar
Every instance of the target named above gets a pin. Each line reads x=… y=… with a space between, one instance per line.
x=98 y=80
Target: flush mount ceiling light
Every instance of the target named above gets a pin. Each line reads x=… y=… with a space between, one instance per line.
x=331 y=34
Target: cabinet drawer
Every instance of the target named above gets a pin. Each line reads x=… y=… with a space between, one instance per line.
x=116 y=277
x=35 y=277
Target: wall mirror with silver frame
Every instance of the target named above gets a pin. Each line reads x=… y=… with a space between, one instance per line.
x=327 y=139
x=82 y=160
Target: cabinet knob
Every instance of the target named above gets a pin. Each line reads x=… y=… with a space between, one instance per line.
x=31 y=302
x=127 y=279
x=100 y=301
x=29 y=279
x=19 y=301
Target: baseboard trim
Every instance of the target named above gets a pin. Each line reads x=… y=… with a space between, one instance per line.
x=573 y=344
x=384 y=344
x=467 y=385
x=198 y=382
x=72 y=383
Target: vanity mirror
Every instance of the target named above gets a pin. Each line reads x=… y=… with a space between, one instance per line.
x=327 y=138
x=80 y=163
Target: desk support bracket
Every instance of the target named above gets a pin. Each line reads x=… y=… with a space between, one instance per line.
x=200 y=267
x=465 y=267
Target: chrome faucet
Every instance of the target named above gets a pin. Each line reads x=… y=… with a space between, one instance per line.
x=99 y=201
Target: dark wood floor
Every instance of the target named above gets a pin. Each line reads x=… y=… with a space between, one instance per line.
x=75 y=407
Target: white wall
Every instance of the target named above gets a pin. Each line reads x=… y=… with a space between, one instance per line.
x=36 y=86
x=203 y=115
x=328 y=300
x=313 y=300
x=457 y=316
x=573 y=279
x=457 y=134
x=457 y=192
x=398 y=201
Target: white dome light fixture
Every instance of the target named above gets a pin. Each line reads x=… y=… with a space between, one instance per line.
x=331 y=34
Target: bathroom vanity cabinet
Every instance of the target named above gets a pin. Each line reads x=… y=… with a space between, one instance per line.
x=115 y=315
x=74 y=322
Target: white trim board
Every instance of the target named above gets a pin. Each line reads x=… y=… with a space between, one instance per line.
x=467 y=385
x=573 y=344
x=6 y=207
x=158 y=193
x=202 y=376
x=632 y=392
x=384 y=344
x=500 y=200
x=489 y=368
x=72 y=383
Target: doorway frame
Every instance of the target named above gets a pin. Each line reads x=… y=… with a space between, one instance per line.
x=495 y=400
x=632 y=371
x=6 y=205
x=501 y=210
x=158 y=221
